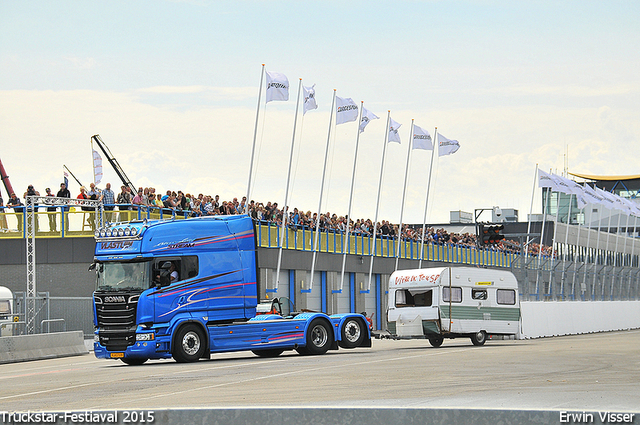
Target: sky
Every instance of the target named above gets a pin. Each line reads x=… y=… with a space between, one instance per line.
x=172 y=88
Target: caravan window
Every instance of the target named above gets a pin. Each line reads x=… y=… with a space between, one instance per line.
x=506 y=296
x=405 y=298
x=5 y=308
x=456 y=296
x=479 y=294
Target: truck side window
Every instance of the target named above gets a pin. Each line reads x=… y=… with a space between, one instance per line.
x=456 y=292
x=479 y=294
x=506 y=296
x=186 y=267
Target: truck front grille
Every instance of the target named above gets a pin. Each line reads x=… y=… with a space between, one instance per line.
x=116 y=317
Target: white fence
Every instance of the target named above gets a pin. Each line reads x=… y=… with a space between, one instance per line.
x=540 y=319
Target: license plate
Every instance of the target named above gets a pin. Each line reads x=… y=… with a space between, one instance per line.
x=117 y=355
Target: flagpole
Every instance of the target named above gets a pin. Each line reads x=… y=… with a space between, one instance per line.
x=353 y=178
x=566 y=242
x=324 y=170
x=544 y=221
x=533 y=191
x=285 y=213
x=595 y=263
x=426 y=201
x=552 y=273
x=584 y=279
x=255 y=134
x=404 y=191
x=375 y=220
x=74 y=177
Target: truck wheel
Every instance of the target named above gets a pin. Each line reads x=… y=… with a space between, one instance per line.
x=319 y=337
x=272 y=352
x=352 y=333
x=436 y=341
x=189 y=344
x=479 y=338
x=134 y=362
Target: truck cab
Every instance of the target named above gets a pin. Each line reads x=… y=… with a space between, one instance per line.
x=188 y=288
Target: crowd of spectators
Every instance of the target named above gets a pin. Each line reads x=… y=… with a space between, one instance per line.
x=270 y=213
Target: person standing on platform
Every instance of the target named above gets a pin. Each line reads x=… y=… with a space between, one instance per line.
x=64 y=193
x=51 y=213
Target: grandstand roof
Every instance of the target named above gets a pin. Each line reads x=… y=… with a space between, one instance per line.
x=614 y=183
x=605 y=178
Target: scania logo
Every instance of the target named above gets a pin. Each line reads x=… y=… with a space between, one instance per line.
x=114 y=299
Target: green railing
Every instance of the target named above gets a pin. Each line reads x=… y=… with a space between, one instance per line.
x=337 y=243
x=77 y=223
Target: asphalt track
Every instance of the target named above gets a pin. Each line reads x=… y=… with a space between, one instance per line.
x=595 y=372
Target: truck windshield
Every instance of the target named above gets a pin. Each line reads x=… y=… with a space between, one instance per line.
x=116 y=276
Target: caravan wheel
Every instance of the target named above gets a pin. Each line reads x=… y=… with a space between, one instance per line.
x=436 y=341
x=479 y=338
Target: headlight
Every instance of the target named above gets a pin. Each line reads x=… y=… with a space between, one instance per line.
x=134 y=231
x=103 y=233
x=127 y=231
x=145 y=337
x=121 y=232
x=97 y=233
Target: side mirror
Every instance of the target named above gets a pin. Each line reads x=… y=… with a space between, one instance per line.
x=92 y=266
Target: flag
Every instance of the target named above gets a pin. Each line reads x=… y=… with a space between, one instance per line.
x=66 y=179
x=592 y=196
x=447 y=146
x=277 y=86
x=393 y=131
x=546 y=180
x=346 y=110
x=97 y=167
x=421 y=139
x=609 y=201
x=367 y=116
x=309 y=99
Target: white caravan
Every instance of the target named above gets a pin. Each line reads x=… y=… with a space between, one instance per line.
x=453 y=302
x=6 y=311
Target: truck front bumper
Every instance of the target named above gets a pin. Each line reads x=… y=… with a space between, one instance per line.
x=141 y=349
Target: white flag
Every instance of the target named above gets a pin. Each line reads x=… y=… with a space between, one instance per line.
x=393 y=131
x=97 y=167
x=277 y=86
x=609 y=201
x=592 y=196
x=346 y=110
x=547 y=180
x=309 y=99
x=447 y=146
x=421 y=139
x=367 y=116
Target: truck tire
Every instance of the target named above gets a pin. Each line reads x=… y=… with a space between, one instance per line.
x=436 y=341
x=270 y=352
x=479 y=338
x=189 y=344
x=319 y=337
x=134 y=362
x=352 y=333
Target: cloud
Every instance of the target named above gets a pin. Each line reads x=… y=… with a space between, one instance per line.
x=82 y=63
x=207 y=149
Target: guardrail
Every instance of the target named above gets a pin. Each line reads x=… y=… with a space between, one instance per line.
x=74 y=222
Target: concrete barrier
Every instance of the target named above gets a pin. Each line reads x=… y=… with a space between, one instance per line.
x=41 y=346
x=542 y=319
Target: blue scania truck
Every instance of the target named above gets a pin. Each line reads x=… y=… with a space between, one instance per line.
x=188 y=288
